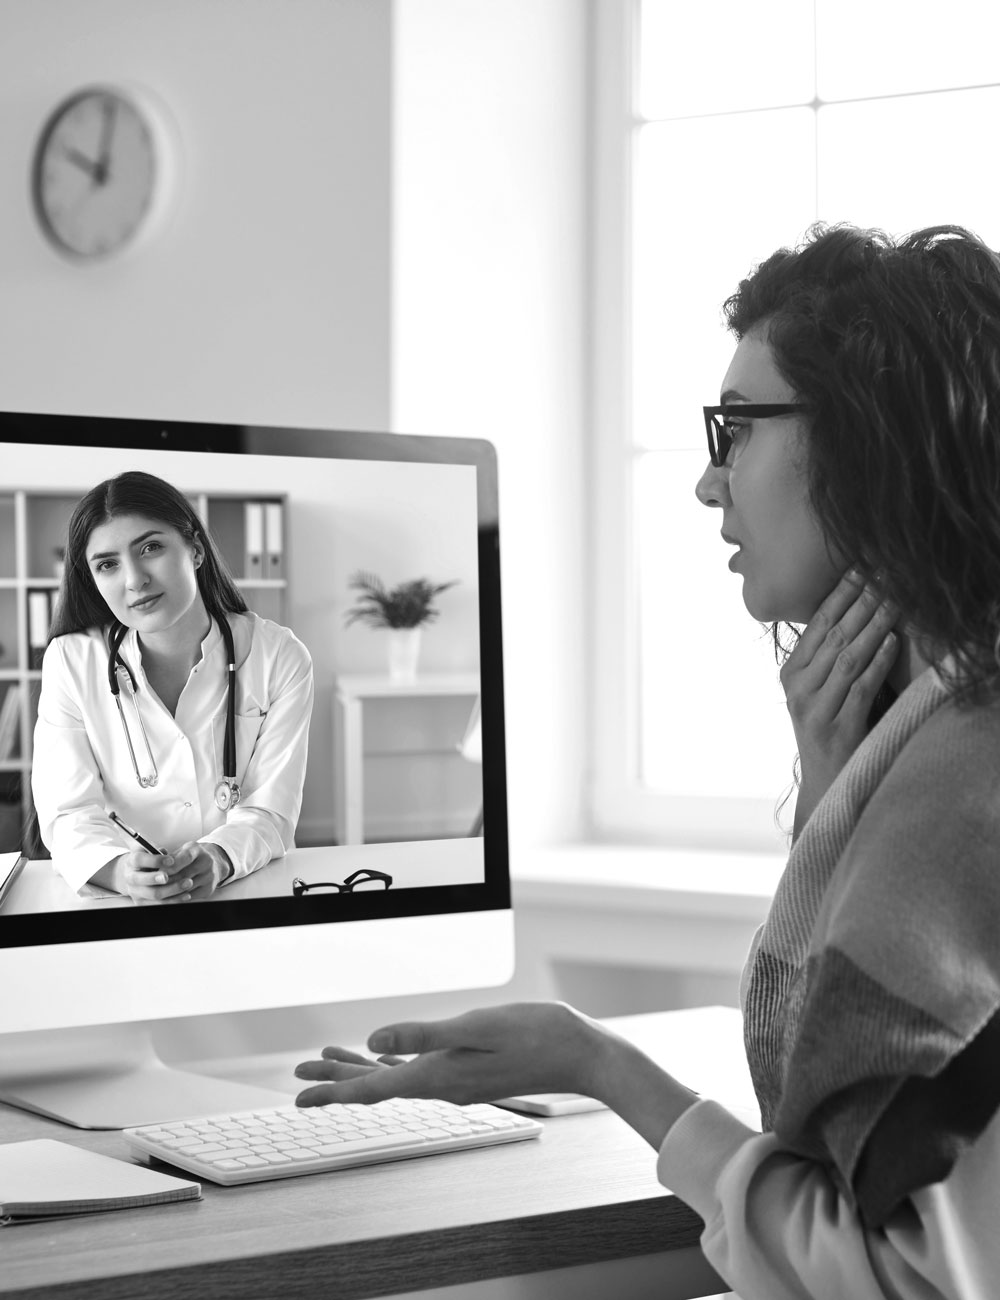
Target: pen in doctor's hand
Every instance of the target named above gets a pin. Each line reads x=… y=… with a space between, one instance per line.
x=139 y=839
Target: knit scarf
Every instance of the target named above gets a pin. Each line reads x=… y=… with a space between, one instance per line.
x=872 y=998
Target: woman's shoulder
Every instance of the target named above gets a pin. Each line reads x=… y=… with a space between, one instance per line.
x=961 y=739
x=946 y=779
x=264 y=636
x=78 y=647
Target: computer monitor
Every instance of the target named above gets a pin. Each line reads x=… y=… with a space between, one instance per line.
x=295 y=516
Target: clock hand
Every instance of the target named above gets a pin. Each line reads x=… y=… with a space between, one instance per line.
x=109 y=108
x=86 y=164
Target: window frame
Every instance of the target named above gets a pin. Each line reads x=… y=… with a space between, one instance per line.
x=621 y=808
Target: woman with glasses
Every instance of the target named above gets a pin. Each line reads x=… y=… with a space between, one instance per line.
x=855 y=462
x=170 y=747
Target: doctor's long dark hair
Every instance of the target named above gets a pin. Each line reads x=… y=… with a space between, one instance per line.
x=80 y=605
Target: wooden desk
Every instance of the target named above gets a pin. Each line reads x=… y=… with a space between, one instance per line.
x=578 y=1213
x=351 y=691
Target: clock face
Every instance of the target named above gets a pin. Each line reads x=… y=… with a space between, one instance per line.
x=95 y=173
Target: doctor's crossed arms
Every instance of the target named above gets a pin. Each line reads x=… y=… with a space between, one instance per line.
x=166 y=701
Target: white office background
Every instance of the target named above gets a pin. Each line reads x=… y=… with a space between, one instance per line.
x=730 y=129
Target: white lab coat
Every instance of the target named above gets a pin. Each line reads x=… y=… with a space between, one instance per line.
x=81 y=769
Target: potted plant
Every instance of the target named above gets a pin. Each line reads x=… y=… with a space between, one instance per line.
x=403 y=609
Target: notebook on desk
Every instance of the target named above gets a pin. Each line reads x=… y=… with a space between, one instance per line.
x=11 y=865
x=46 y=1179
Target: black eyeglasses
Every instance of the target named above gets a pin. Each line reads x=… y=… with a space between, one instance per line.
x=356 y=882
x=718 y=420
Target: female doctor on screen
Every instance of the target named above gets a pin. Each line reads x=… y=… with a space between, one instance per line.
x=166 y=702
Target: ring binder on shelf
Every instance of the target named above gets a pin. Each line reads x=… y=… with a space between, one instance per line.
x=10 y=717
x=39 y=619
x=273 y=539
x=254 y=523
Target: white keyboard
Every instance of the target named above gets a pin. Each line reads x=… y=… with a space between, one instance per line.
x=252 y=1145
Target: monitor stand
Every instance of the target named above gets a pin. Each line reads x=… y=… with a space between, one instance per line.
x=111 y=1077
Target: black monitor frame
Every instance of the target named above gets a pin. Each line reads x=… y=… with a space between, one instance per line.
x=59 y=430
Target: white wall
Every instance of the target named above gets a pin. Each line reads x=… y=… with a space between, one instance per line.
x=265 y=296
x=489 y=283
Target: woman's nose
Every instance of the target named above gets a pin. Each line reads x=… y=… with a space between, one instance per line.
x=135 y=575
x=712 y=489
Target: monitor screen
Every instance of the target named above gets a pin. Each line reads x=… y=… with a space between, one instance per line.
x=366 y=805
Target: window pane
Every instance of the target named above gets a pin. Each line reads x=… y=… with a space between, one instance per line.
x=713 y=719
x=926 y=165
x=885 y=47
x=695 y=238
x=720 y=56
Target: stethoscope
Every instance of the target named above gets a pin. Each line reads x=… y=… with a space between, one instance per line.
x=227 y=792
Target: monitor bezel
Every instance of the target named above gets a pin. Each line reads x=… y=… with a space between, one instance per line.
x=24 y=930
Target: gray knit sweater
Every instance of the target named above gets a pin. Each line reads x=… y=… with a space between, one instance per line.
x=872 y=1003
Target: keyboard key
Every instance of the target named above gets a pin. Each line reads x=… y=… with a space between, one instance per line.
x=368 y=1144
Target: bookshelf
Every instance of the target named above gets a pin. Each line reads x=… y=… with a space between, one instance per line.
x=249 y=531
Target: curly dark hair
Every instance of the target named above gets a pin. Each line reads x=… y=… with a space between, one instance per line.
x=893 y=346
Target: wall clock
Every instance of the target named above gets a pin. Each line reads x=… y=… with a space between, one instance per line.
x=98 y=170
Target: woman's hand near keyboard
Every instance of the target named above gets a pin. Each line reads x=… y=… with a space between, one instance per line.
x=478 y=1056
x=498 y=1052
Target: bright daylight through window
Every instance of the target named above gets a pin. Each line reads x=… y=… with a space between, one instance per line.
x=743 y=125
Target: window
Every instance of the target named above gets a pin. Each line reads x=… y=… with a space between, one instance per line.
x=722 y=131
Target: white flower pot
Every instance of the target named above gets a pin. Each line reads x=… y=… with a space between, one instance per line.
x=404 y=653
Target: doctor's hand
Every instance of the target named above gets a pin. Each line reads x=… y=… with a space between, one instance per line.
x=205 y=866
x=479 y=1056
x=147 y=878
x=831 y=679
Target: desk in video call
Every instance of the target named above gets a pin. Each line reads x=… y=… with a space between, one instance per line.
x=39 y=888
